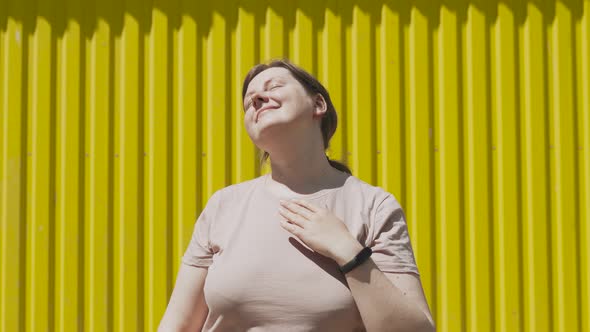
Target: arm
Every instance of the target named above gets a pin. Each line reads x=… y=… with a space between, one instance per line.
x=187 y=309
x=387 y=301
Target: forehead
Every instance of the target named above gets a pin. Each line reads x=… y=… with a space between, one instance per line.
x=269 y=74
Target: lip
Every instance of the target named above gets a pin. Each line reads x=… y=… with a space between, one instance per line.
x=264 y=109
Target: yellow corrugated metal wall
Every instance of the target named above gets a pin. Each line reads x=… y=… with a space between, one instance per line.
x=120 y=118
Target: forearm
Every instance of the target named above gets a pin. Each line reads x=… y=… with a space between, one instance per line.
x=383 y=307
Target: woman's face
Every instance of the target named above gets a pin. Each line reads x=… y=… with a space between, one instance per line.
x=276 y=103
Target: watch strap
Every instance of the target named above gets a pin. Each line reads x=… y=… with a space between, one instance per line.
x=360 y=258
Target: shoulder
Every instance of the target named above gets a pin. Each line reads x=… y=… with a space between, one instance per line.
x=374 y=196
x=237 y=190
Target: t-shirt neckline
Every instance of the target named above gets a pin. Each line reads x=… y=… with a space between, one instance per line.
x=293 y=195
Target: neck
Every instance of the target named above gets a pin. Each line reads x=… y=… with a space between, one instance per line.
x=304 y=170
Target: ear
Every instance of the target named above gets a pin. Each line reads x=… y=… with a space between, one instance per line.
x=319 y=106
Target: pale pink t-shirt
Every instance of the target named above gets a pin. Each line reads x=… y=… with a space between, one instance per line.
x=261 y=278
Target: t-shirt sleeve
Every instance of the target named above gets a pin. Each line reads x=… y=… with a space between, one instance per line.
x=390 y=241
x=199 y=252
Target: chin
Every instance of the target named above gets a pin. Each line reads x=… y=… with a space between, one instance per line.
x=266 y=132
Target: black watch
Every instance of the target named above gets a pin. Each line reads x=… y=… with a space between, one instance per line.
x=359 y=259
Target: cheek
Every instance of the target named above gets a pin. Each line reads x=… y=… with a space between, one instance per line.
x=299 y=102
x=247 y=118
x=249 y=121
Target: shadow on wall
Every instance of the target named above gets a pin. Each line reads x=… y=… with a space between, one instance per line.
x=59 y=12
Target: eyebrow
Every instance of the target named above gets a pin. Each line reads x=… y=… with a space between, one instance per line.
x=265 y=85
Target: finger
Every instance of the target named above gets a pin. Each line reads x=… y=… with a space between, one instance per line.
x=291 y=228
x=292 y=217
x=307 y=205
x=298 y=209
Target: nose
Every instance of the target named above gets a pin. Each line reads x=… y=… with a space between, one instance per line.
x=258 y=99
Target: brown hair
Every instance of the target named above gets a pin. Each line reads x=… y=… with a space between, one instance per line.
x=312 y=86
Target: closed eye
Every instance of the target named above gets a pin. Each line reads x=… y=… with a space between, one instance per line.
x=247 y=106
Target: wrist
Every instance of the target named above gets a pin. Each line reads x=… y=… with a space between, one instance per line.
x=347 y=252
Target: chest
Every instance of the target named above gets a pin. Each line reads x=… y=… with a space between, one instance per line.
x=263 y=273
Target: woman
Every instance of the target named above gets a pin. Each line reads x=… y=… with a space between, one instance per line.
x=285 y=251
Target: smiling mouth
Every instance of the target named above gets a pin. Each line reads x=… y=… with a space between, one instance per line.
x=264 y=110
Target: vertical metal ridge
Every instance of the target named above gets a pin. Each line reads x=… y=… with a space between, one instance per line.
x=549 y=127
x=52 y=172
x=69 y=307
x=386 y=94
x=60 y=179
x=518 y=169
x=536 y=287
x=362 y=107
x=228 y=109
x=345 y=41
x=82 y=161
x=3 y=114
x=14 y=172
x=171 y=12
x=110 y=261
x=142 y=91
x=546 y=201
x=216 y=104
x=117 y=189
x=303 y=39
x=584 y=147
x=507 y=170
x=448 y=132
x=372 y=126
x=24 y=166
x=3 y=223
x=39 y=279
x=100 y=179
x=477 y=188
x=419 y=161
x=186 y=134
x=564 y=156
x=491 y=145
x=127 y=159
x=158 y=232
x=245 y=57
x=416 y=31
x=200 y=97
x=582 y=109
x=126 y=235
x=577 y=140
